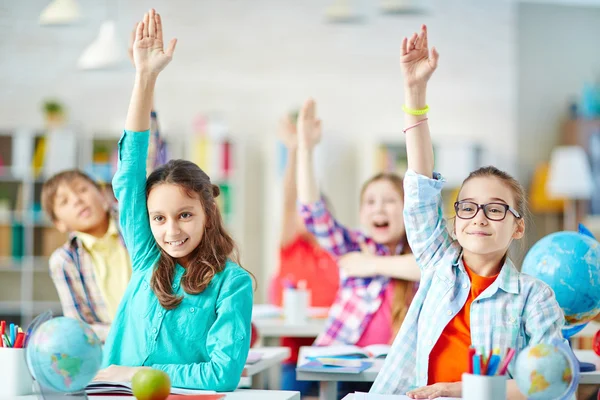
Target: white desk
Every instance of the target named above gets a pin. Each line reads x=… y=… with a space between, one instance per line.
x=272 y=326
x=271 y=357
x=351 y=396
x=328 y=381
x=237 y=395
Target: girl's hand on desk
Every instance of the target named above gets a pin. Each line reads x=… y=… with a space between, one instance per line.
x=453 y=389
x=117 y=373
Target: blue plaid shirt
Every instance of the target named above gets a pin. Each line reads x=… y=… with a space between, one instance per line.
x=515 y=311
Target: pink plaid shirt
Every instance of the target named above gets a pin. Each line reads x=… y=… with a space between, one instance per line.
x=357 y=298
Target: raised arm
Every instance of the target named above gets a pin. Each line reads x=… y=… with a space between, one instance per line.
x=289 y=228
x=331 y=235
x=426 y=229
x=418 y=64
x=309 y=135
x=129 y=182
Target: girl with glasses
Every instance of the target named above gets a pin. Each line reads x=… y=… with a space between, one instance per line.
x=471 y=294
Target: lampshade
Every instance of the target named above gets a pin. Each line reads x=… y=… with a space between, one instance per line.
x=105 y=51
x=60 y=12
x=343 y=11
x=570 y=173
x=399 y=6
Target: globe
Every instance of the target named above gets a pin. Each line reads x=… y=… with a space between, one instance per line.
x=547 y=371
x=64 y=355
x=569 y=262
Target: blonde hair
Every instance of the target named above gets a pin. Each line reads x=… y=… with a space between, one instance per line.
x=404 y=290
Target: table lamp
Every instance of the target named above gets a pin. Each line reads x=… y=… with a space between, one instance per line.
x=570 y=177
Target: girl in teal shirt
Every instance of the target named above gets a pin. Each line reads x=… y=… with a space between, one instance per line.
x=188 y=306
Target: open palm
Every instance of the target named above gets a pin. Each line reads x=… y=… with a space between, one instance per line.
x=148 y=52
x=308 y=127
x=416 y=60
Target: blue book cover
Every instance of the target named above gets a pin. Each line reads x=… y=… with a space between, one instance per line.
x=317 y=366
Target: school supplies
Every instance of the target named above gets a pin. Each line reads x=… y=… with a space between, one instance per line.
x=348 y=351
x=11 y=336
x=490 y=364
x=104 y=387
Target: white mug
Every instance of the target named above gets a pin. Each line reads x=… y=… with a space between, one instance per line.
x=15 y=379
x=295 y=305
x=483 y=387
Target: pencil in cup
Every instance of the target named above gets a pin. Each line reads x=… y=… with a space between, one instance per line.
x=490 y=365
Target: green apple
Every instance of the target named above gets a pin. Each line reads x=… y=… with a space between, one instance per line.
x=151 y=384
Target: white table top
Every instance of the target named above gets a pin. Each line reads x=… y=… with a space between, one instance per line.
x=369 y=375
x=351 y=396
x=269 y=322
x=271 y=356
x=241 y=394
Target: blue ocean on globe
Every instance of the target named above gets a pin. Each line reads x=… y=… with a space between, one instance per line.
x=569 y=262
x=64 y=355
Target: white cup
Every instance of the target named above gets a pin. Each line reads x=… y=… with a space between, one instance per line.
x=295 y=305
x=483 y=387
x=15 y=379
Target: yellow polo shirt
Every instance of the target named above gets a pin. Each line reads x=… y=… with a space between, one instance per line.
x=112 y=265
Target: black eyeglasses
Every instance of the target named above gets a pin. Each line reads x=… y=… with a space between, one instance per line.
x=492 y=211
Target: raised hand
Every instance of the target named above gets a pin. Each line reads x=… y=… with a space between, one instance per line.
x=308 y=127
x=416 y=60
x=287 y=133
x=148 y=52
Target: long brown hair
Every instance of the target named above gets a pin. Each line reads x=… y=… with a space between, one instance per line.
x=216 y=246
x=404 y=290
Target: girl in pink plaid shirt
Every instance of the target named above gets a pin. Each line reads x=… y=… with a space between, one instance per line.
x=375 y=292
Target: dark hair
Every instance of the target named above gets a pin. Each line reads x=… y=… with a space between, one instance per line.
x=216 y=246
x=50 y=188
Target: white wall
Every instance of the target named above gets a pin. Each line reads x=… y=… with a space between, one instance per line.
x=252 y=60
x=557 y=53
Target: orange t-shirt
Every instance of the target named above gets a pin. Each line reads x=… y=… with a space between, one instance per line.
x=448 y=358
x=305 y=260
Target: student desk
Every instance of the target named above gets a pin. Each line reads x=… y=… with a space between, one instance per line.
x=240 y=394
x=271 y=359
x=271 y=327
x=328 y=381
x=352 y=397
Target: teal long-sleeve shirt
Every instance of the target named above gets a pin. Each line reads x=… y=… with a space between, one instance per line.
x=204 y=342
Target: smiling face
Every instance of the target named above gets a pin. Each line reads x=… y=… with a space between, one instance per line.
x=177 y=220
x=481 y=235
x=381 y=212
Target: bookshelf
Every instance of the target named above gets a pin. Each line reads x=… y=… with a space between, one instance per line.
x=27 y=236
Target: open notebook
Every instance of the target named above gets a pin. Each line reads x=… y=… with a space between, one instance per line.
x=125 y=388
x=371 y=351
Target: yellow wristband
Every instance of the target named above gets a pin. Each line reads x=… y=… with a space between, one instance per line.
x=415 y=112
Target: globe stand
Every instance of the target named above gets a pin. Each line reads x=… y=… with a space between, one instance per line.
x=47 y=394
x=586 y=367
